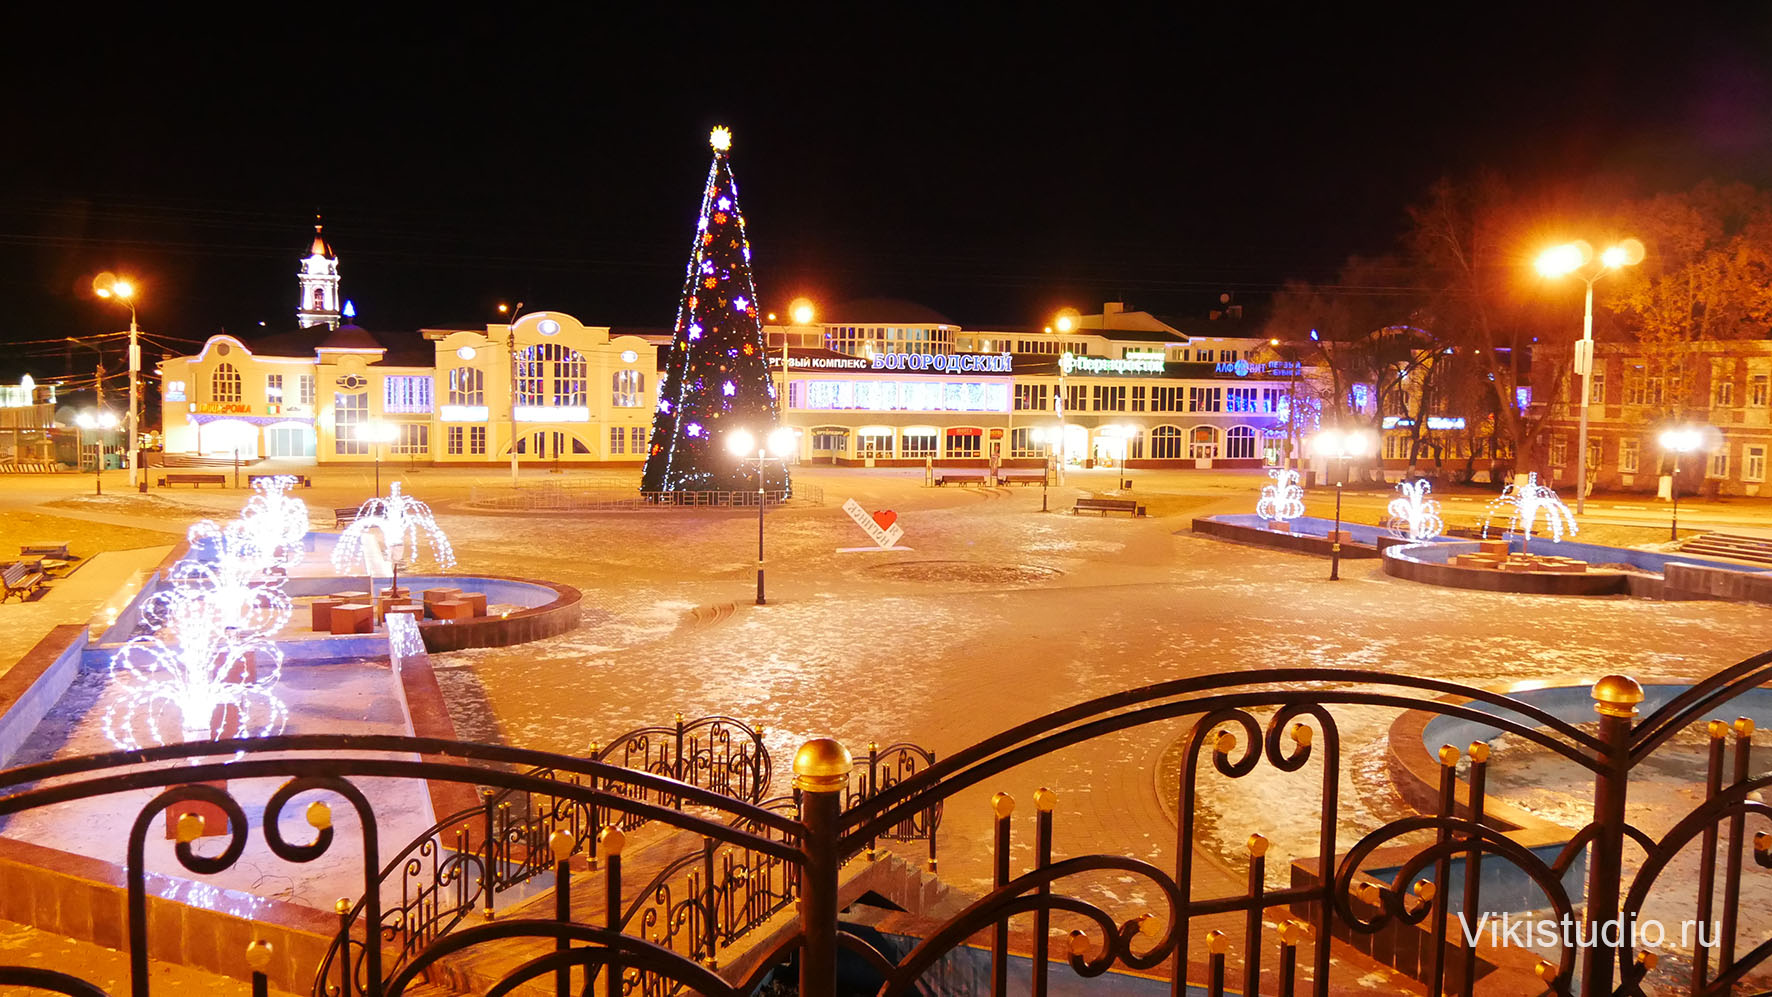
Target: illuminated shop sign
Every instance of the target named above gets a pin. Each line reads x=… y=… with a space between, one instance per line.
x=820 y=363
x=1131 y=363
x=1273 y=368
x=222 y=408
x=905 y=396
x=1433 y=422
x=958 y=363
x=463 y=413
x=553 y=413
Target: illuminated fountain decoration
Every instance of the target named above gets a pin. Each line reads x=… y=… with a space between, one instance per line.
x=1413 y=515
x=1284 y=499
x=401 y=524
x=1524 y=505
x=208 y=665
x=276 y=520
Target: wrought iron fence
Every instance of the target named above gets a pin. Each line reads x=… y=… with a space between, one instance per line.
x=550 y=496
x=1410 y=876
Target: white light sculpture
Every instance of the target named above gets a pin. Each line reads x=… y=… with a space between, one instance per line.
x=276 y=520
x=1284 y=499
x=207 y=666
x=1525 y=504
x=403 y=523
x=1413 y=514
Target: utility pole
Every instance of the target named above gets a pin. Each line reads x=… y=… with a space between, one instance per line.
x=135 y=369
x=511 y=347
x=98 y=438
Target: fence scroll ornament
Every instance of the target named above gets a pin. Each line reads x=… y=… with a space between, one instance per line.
x=1415 y=877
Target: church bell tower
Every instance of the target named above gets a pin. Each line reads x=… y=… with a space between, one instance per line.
x=319 y=303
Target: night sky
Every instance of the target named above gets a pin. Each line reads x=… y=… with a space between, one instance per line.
x=993 y=168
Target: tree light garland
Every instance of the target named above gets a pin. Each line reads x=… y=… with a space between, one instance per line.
x=1284 y=499
x=1413 y=515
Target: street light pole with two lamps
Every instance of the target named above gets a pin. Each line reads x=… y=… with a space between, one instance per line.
x=99 y=420
x=111 y=287
x=378 y=435
x=1344 y=446
x=1679 y=441
x=1064 y=323
x=1570 y=258
x=742 y=444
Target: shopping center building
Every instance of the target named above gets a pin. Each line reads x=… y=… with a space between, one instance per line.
x=881 y=383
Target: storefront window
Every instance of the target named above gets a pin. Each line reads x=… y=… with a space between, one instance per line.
x=964 y=442
x=1203 y=443
x=920 y=442
x=1166 y=443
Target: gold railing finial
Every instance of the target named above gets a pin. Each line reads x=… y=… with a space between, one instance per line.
x=1617 y=696
x=822 y=765
x=319 y=815
x=1045 y=799
x=258 y=955
x=610 y=841
x=1002 y=804
x=562 y=844
x=190 y=828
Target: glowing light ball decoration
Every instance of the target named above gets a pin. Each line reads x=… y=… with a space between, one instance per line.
x=1413 y=514
x=402 y=524
x=208 y=666
x=1524 y=505
x=716 y=375
x=1284 y=499
x=277 y=520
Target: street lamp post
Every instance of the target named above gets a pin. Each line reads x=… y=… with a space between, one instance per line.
x=778 y=446
x=510 y=314
x=1677 y=442
x=99 y=420
x=1064 y=323
x=1569 y=259
x=110 y=287
x=1335 y=444
x=377 y=435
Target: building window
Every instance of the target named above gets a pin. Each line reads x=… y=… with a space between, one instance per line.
x=550 y=374
x=1109 y=397
x=1023 y=444
x=873 y=444
x=919 y=442
x=1652 y=394
x=319 y=299
x=273 y=389
x=1239 y=442
x=1759 y=390
x=1596 y=388
x=1030 y=397
x=175 y=391
x=1241 y=400
x=224 y=384
x=1166 y=443
x=637 y=439
x=452 y=439
x=1635 y=387
x=1076 y=398
x=305 y=386
x=1167 y=399
x=414 y=438
x=1719 y=464
x=1753 y=463
x=963 y=442
x=406 y=393
x=1138 y=398
x=1203 y=443
x=349 y=412
x=1205 y=399
x=1628 y=452
x=618 y=439
x=477 y=440
x=1227 y=356
x=1723 y=394
x=629 y=388
x=1559 y=451
x=467 y=386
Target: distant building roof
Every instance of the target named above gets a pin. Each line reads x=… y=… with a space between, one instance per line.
x=350 y=337
x=320 y=247
x=874 y=311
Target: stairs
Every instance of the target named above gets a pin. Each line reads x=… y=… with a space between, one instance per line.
x=1731 y=546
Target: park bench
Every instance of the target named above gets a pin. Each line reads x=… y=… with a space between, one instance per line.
x=55 y=549
x=1021 y=479
x=344 y=517
x=301 y=479
x=18 y=579
x=959 y=479
x=193 y=479
x=1107 y=505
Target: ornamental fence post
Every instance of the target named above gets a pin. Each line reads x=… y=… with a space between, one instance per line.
x=821 y=773
x=1615 y=700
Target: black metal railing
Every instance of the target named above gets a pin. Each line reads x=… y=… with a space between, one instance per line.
x=1408 y=879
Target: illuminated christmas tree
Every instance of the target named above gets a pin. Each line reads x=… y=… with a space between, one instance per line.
x=716 y=378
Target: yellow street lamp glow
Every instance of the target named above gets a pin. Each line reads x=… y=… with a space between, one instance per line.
x=1612 y=258
x=1683 y=440
x=720 y=138
x=123 y=289
x=801 y=311
x=503 y=308
x=781 y=442
x=1339 y=444
x=1559 y=260
x=741 y=442
x=1066 y=319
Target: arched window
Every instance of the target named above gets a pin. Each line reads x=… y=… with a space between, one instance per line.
x=1203 y=442
x=319 y=299
x=467 y=386
x=550 y=374
x=628 y=387
x=1166 y=443
x=1239 y=442
x=224 y=384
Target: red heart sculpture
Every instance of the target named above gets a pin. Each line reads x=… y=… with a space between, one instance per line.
x=886 y=519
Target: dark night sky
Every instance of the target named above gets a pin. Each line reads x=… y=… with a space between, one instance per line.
x=992 y=168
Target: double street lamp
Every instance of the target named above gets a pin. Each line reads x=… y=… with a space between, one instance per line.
x=1571 y=258
x=747 y=448
x=114 y=288
x=378 y=435
x=1678 y=441
x=98 y=420
x=1343 y=446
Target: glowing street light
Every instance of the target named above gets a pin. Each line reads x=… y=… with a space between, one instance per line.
x=1677 y=441
x=114 y=288
x=1064 y=322
x=1570 y=258
x=377 y=435
x=99 y=421
x=742 y=444
x=1336 y=444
